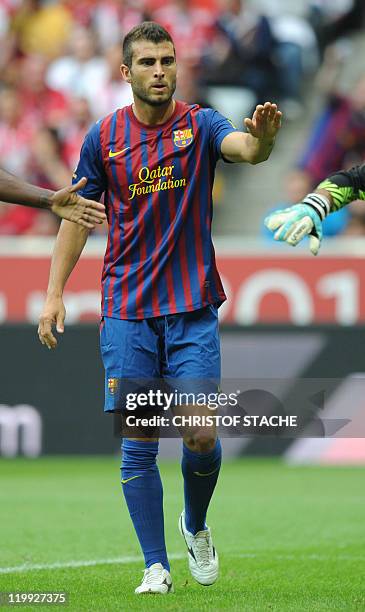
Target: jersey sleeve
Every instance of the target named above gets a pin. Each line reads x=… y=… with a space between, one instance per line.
x=219 y=128
x=91 y=166
x=345 y=186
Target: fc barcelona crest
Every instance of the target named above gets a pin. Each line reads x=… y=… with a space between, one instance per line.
x=182 y=138
x=112 y=385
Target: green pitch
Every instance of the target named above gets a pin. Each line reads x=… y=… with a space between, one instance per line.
x=288 y=538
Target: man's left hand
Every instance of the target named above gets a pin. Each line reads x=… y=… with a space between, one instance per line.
x=265 y=122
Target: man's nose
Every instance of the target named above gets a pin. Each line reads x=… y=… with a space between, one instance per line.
x=159 y=70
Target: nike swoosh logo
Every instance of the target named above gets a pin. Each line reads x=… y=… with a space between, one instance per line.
x=190 y=550
x=207 y=474
x=115 y=153
x=131 y=478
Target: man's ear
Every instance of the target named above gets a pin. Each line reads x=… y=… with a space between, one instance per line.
x=126 y=73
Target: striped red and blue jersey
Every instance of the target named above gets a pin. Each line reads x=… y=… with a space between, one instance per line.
x=157 y=183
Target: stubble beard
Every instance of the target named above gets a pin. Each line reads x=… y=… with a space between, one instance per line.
x=142 y=94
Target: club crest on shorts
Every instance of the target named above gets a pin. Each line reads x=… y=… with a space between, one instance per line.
x=113 y=385
x=182 y=138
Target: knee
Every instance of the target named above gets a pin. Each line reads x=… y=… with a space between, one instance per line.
x=201 y=441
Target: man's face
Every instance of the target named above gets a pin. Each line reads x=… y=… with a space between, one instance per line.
x=153 y=72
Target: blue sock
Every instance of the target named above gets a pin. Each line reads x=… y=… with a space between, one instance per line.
x=142 y=490
x=200 y=471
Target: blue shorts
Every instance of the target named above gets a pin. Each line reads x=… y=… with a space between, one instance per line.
x=181 y=349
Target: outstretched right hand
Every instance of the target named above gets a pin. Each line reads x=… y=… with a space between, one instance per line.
x=54 y=313
x=67 y=204
x=292 y=224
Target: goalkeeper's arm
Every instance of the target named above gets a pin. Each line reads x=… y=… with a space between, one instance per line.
x=344 y=187
x=292 y=224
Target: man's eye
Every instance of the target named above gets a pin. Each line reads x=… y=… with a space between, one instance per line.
x=168 y=61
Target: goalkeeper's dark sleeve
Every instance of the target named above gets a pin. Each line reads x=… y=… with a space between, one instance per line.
x=345 y=186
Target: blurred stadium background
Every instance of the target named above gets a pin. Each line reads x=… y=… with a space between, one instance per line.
x=289 y=316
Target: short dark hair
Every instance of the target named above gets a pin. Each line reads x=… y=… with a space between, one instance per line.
x=148 y=30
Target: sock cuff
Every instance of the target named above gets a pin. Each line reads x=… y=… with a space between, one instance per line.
x=139 y=445
x=139 y=455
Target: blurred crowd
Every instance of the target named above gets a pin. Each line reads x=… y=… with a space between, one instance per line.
x=59 y=72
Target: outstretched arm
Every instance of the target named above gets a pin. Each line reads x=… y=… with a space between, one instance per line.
x=65 y=203
x=344 y=187
x=255 y=145
x=292 y=224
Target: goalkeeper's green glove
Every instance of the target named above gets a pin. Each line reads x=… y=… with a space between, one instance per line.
x=292 y=224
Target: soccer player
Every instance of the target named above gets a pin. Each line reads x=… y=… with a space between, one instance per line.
x=155 y=162
x=65 y=203
x=292 y=224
